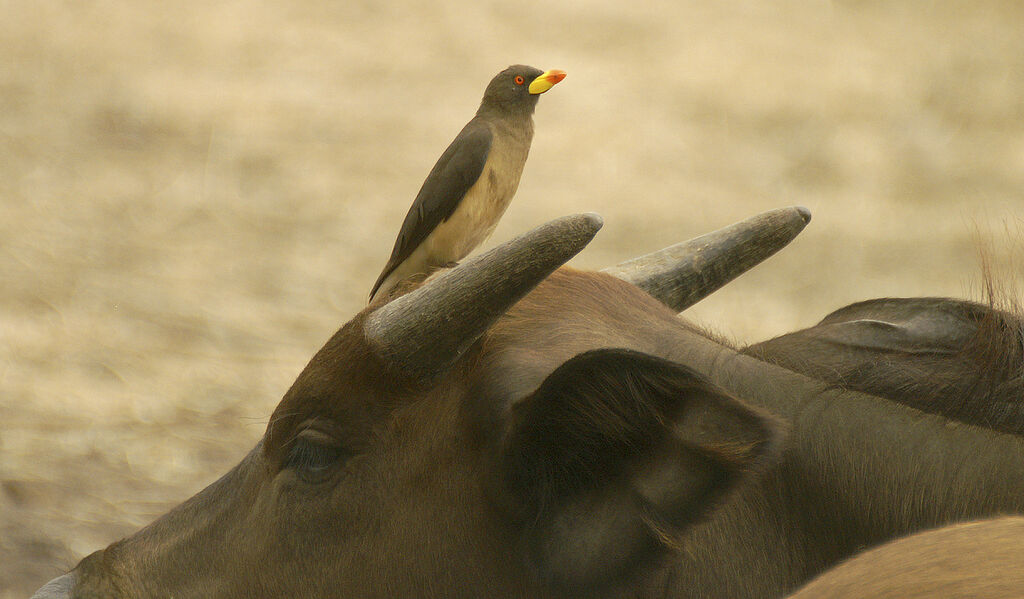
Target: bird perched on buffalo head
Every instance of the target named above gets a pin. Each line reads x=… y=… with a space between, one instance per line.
x=473 y=181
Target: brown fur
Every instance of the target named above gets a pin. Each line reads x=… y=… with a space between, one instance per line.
x=977 y=560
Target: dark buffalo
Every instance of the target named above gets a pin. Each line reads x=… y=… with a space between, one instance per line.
x=499 y=432
x=980 y=560
x=960 y=359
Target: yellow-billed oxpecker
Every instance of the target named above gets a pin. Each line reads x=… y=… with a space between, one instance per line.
x=473 y=181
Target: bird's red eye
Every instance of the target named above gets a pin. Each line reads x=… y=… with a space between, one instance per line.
x=520 y=80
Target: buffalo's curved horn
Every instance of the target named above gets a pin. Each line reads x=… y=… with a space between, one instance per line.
x=427 y=329
x=683 y=274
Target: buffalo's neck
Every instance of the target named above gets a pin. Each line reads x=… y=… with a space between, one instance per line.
x=855 y=470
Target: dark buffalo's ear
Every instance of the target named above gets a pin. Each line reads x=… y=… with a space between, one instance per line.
x=614 y=455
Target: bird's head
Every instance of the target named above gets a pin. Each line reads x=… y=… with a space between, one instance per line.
x=516 y=89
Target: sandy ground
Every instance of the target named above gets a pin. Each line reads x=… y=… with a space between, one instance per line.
x=195 y=195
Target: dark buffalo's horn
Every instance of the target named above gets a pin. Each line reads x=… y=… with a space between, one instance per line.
x=427 y=329
x=683 y=274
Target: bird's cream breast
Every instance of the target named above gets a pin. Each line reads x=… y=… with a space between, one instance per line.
x=481 y=208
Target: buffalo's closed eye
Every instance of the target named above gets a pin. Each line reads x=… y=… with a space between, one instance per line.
x=313 y=456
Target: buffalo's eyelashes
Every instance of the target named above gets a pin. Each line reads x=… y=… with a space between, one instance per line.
x=314 y=456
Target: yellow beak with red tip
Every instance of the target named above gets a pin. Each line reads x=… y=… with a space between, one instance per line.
x=546 y=81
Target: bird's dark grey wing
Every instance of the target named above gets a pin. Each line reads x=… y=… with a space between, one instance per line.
x=456 y=171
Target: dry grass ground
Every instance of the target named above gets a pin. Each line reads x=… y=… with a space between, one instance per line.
x=195 y=195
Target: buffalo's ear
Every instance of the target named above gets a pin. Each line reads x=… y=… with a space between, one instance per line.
x=614 y=455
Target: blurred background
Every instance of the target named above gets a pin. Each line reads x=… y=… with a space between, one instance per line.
x=195 y=195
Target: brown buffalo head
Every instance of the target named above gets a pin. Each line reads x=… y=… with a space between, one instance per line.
x=493 y=432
